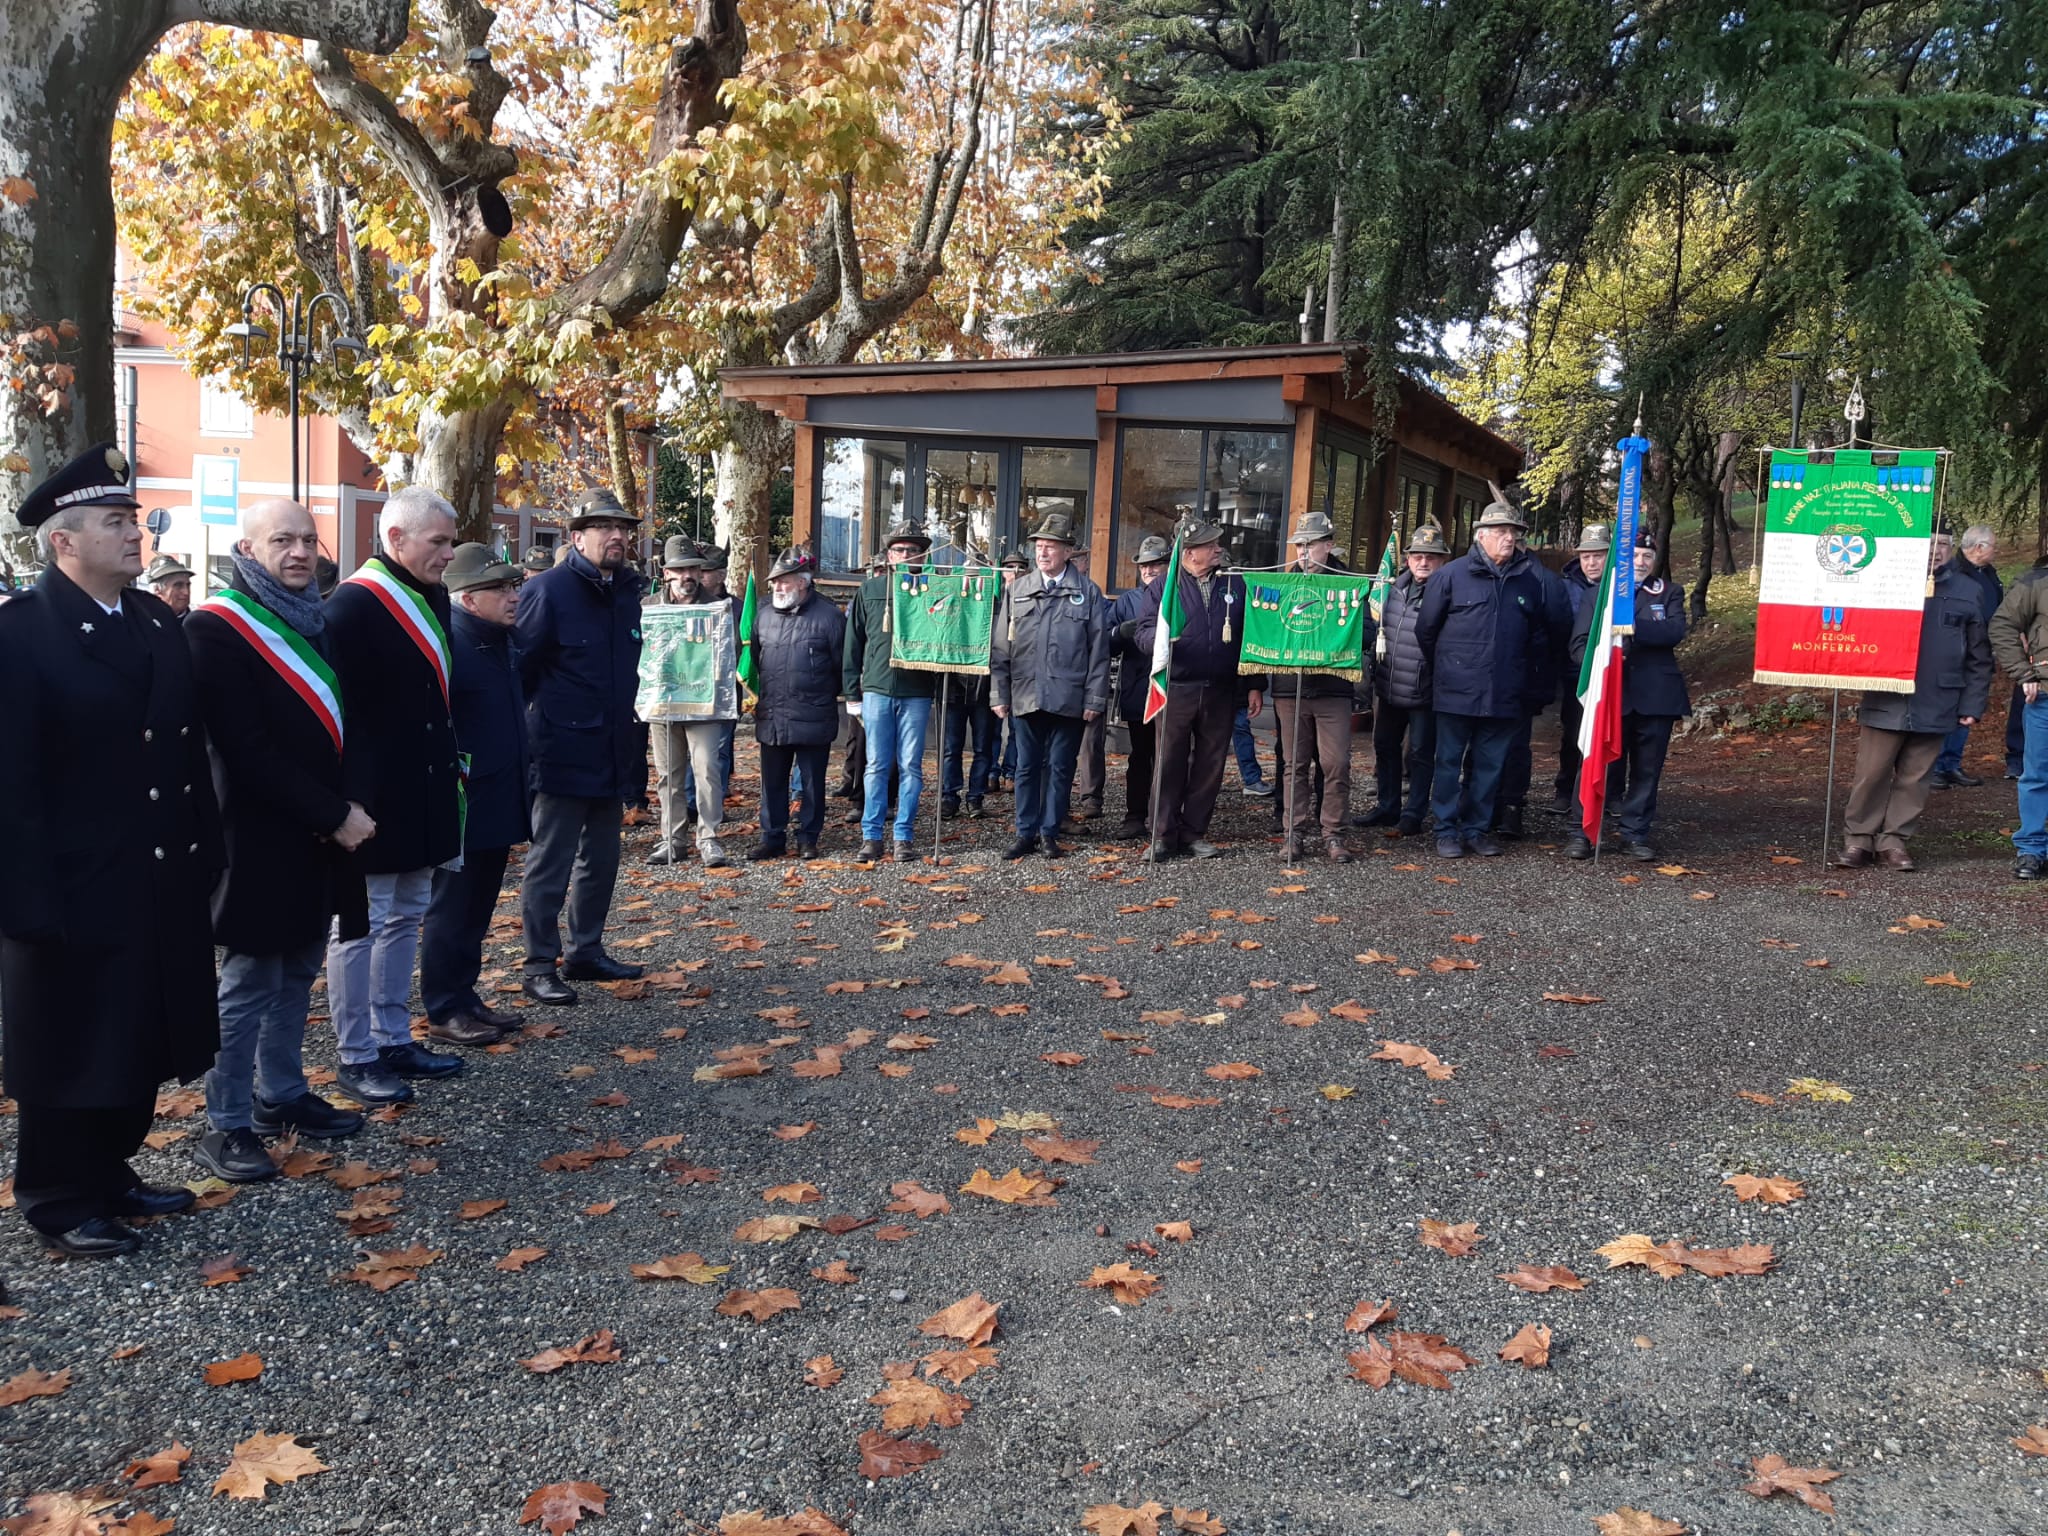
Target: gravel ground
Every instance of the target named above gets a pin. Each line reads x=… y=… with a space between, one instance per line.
x=1898 y=1338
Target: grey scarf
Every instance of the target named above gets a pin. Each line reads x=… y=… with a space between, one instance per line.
x=301 y=610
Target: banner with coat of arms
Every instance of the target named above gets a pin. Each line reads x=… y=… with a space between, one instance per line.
x=1845 y=579
x=687 y=663
x=1297 y=622
x=942 y=619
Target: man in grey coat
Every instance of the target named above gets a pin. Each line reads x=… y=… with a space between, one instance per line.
x=1049 y=676
x=1902 y=733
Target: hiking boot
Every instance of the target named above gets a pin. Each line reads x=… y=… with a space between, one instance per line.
x=2029 y=866
x=1335 y=851
x=1290 y=851
x=871 y=851
x=236 y=1156
x=974 y=811
x=949 y=806
x=906 y=853
x=1017 y=850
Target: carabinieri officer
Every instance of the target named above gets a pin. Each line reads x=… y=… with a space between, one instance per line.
x=112 y=844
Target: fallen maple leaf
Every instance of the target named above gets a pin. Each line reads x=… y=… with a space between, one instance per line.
x=1129 y=1286
x=1538 y=1279
x=1530 y=1346
x=1775 y=1475
x=1013 y=1188
x=519 y=1258
x=1913 y=922
x=1458 y=1241
x=773 y=1229
x=792 y=1132
x=1026 y=1120
x=836 y=1273
x=164 y=1467
x=34 y=1383
x=1116 y=1520
x=914 y=1199
x=1063 y=1058
x=1353 y=1010
x=1176 y=1231
x=977 y=1134
x=1768 y=1191
x=1369 y=1313
x=970 y=1321
x=956 y=1365
x=681 y=1266
x=474 y=1210
x=1582 y=999
x=798 y=1193
x=1422 y=1358
x=596 y=1349
x=1232 y=1071
x=759 y=1305
x=1192 y=1165
x=1671 y=1259
x=1443 y=965
x=1196 y=1522
x=1058 y=1149
x=2034 y=1441
x=61 y=1514
x=262 y=1460
x=1626 y=1521
x=1948 y=979
x=884 y=1455
x=242 y=1368
x=916 y=1404
x=559 y=1506
x=1820 y=1090
x=751 y=1522
x=225 y=1270
x=820 y=1372
x=1401 y=1052
x=1009 y=974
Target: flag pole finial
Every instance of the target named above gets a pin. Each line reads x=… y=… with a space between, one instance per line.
x=1637 y=430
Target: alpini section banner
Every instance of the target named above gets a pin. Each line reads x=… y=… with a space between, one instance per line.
x=1298 y=622
x=1845 y=553
x=687 y=661
x=941 y=620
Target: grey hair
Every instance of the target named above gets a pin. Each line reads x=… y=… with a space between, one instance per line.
x=67 y=520
x=409 y=510
x=1978 y=536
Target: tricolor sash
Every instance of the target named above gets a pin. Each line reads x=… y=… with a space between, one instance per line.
x=301 y=667
x=413 y=613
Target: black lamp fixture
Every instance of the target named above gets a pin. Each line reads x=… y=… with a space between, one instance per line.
x=298 y=342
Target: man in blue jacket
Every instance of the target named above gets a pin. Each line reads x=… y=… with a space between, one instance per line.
x=1484 y=616
x=579 y=636
x=1974 y=555
x=1653 y=700
x=1130 y=608
x=490 y=731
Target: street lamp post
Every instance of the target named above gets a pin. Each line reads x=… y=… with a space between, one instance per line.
x=298 y=344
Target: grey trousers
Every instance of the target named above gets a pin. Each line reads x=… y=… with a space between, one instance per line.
x=694 y=744
x=1092 y=760
x=574 y=853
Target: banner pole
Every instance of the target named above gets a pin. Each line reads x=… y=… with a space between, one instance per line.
x=1293 y=757
x=1827 y=824
x=1756 y=529
x=939 y=809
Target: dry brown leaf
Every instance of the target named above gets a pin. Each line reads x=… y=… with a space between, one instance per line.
x=1530 y=1346
x=1458 y=1241
x=2033 y=1441
x=1775 y=1475
x=1443 y=965
x=164 y=1467
x=1232 y=1071
x=793 y=1132
x=681 y=1266
x=1063 y=1058
x=1627 y=1521
x=759 y=1305
x=595 y=1349
x=1013 y=1188
x=957 y=1365
x=836 y=1273
x=1536 y=1279
x=241 y=1368
x=1948 y=979
x=884 y=1455
x=473 y=1210
x=1369 y=1313
x=1421 y=1358
x=1129 y=1286
x=1192 y=1165
x=773 y=1229
x=1582 y=999
x=820 y=1372
x=914 y=1199
x=1183 y=1101
x=1768 y=1191
x=1009 y=974
x=1407 y=1055
x=225 y=1270
x=559 y=1506
x=1197 y=1522
x=1672 y=1259
x=1175 y=1231
x=519 y=1258
x=1060 y=1149
x=262 y=1460
x=1116 y=1520
x=34 y=1383
x=61 y=1514
x=799 y=1193
x=977 y=1134
x=913 y=1403
x=969 y=1321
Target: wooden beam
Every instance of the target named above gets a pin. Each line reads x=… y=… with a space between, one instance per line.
x=803 y=519
x=795 y=408
x=1105 y=399
x=1300 y=483
x=795 y=381
x=1101 y=514
x=1293 y=388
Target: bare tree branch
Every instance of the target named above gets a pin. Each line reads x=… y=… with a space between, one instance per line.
x=372 y=26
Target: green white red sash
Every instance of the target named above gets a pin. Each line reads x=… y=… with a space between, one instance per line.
x=413 y=613
x=301 y=667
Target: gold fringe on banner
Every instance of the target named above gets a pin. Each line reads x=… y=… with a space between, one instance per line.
x=966 y=668
x=1253 y=668
x=1835 y=680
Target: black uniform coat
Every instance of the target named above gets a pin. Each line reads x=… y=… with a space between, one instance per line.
x=1200 y=653
x=398 y=750
x=1953 y=674
x=798 y=654
x=579 y=643
x=111 y=840
x=1402 y=676
x=278 y=776
x=490 y=727
x=1651 y=683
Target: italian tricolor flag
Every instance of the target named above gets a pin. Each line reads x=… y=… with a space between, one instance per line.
x=1172 y=620
x=1600 y=693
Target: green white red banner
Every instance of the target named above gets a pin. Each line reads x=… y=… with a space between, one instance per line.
x=1845 y=576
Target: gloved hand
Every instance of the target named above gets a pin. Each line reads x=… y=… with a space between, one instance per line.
x=1127 y=632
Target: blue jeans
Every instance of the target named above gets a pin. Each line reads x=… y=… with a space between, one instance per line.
x=1247 y=750
x=1463 y=794
x=960 y=720
x=895 y=729
x=263 y=1001
x=2032 y=836
x=369 y=979
x=1047 y=745
x=1951 y=759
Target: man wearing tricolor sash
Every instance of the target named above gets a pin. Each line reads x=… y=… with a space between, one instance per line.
x=388 y=623
x=275 y=728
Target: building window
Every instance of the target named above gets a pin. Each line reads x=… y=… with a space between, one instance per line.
x=962 y=509
x=222 y=412
x=1234 y=479
x=860 y=493
x=1056 y=480
x=1160 y=482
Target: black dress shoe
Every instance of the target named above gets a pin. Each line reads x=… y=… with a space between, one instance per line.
x=370 y=1082
x=1578 y=846
x=1019 y=848
x=463 y=1029
x=761 y=852
x=1641 y=851
x=153 y=1200
x=236 y=1156
x=547 y=987
x=309 y=1115
x=601 y=967
x=497 y=1018
x=806 y=852
x=1963 y=780
x=1378 y=816
x=101 y=1237
x=870 y=851
x=1052 y=849
x=2029 y=866
x=414 y=1060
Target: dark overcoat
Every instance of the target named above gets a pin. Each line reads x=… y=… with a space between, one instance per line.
x=1952 y=677
x=109 y=848
x=579 y=644
x=1651 y=682
x=278 y=775
x=1487 y=629
x=1402 y=677
x=798 y=654
x=1050 y=650
x=398 y=757
x=490 y=730
x=1133 y=606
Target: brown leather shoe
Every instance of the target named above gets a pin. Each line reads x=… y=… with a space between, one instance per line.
x=1334 y=849
x=1854 y=858
x=464 y=1029
x=1897 y=858
x=497 y=1018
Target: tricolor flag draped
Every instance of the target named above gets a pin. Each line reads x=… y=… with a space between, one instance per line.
x=1614 y=609
x=1171 y=621
x=1382 y=581
x=748 y=669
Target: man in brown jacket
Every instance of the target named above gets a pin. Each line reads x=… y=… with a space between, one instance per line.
x=2019 y=643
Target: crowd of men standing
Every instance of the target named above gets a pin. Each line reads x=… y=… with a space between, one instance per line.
x=337 y=782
